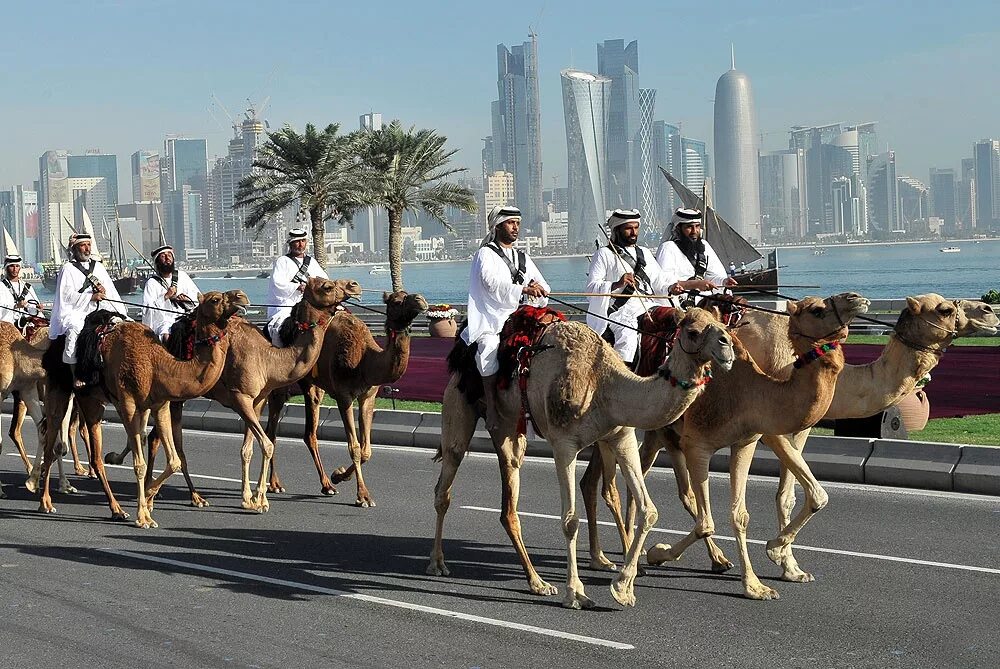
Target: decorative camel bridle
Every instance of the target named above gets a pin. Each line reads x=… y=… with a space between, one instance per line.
x=940 y=350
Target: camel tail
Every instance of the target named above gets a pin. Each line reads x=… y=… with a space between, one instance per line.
x=439 y=455
x=62 y=437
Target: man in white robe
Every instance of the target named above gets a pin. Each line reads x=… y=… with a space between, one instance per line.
x=82 y=286
x=289 y=275
x=623 y=267
x=17 y=298
x=168 y=294
x=501 y=279
x=688 y=259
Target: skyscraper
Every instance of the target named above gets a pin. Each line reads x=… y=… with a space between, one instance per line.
x=883 y=194
x=185 y=163
x=585 y=107
x=914 y=207
x=736 y=177
x=986 y=154
x=145 y=176
x=694 y=166
x=783 y=193
x=54 y=203
x=370 y=226
x=620 y=63
x=943 y=192
x=19 y=215
x=645 y=168
x=668 y=154
x=93 y=165
x=965 y=196
x=516 y=143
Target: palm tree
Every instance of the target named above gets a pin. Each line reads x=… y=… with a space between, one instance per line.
x=405 y=170
x=319 y=170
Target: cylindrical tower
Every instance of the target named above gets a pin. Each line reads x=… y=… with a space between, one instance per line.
x=737 y=192
x=585 y=106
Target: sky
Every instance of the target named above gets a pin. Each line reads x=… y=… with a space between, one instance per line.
x=120 y=75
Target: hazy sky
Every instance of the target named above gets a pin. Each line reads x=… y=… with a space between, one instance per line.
x=120 y=75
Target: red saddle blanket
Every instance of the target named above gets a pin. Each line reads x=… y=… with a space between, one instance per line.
x=657 y=327
x=523 y=329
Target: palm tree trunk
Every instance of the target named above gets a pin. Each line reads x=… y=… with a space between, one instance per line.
x=396 y=248
x=316 y=217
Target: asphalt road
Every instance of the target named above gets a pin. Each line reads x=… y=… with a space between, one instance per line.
x=904 y=578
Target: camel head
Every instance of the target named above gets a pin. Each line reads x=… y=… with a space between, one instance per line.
x=817 y=321
x=401 y=308
x=211 y=307
x=702 y=335
x=237 y=300
x=326 y=293
x=976 y=317
x=928 y=322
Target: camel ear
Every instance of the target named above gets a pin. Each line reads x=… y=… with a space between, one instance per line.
x=201 y=298
x=791 y=307
x=913 y=305
x=385 y=297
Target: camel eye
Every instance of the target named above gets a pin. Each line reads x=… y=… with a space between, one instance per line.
x=945 y=311
x=694 y=334
x=817 y=311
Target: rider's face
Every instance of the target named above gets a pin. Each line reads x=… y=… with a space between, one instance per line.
x=13 y=271
x=628 y=233
x=692 y=231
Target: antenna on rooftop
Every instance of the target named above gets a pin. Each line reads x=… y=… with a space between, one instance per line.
x=732 y=52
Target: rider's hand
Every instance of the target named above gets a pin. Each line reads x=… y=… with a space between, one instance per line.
x=534 y=289
x=626 y=280
x=730 y=281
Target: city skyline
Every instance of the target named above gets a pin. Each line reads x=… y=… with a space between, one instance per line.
x=889 y=75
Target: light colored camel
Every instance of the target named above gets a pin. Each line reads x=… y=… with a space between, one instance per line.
x=352 y=366
x=925 y=328
x=579 y=392
x=745 y=404
x=253 y=369
x=140 y=377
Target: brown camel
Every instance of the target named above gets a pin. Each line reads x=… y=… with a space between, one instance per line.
x=924 y=330
x=351 y=367
x=747 y=403
x=580 y=392
x=253 y=369
x=140 y=377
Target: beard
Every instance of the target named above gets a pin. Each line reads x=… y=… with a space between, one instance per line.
x=165 y=268
x=688 y=246
x=81 y=257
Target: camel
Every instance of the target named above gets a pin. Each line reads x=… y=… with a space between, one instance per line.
x=253 y=369
x=925 y=328
x=351 y=367
x=747 y=403
x=579 y=392
x=140 y=377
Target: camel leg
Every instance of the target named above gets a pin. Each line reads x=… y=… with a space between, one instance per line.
x=91 y=412
x=79 y=427
x=366 y=411
x=164 y=427
x=135 y=422
x=18 y=412
x=588 y=486
x=785 y=504
x=510 y=448
x=697 y=467
x=275 y=403
x=458 y=424
x=626 y=454
x=252 y=429
x=346 y=408
x=565 y=458
x=313 y=398
x=740 y=459
x=176 y=417
x=58 y=407
x=779 y=548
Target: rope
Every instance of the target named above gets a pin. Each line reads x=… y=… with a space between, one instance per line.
x=604 y=318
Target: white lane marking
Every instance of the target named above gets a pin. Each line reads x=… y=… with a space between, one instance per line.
x=543 y=631
x=815 y=549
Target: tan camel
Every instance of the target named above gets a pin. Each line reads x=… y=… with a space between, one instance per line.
x=351 y=367
x=925 y=328
x=579 y=392
x=140 y=377
x=747 y=403
x=253 y=369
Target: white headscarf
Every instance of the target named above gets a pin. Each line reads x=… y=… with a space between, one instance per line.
x=498 y=215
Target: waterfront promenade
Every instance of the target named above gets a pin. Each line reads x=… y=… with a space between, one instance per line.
x=904 y=577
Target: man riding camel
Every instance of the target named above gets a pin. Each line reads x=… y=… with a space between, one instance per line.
x=18 y=300
x=624 y=268
x=501 y=279
x=689 y=260
x=82 y=286
x=168 y=294
x=288 y=281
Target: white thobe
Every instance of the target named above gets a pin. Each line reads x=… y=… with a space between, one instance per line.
x=162 y=316
x=605 y=269
x=493 y=297
x=677 y=265
x=72 y=305
x=8 y=301
x=283 y=291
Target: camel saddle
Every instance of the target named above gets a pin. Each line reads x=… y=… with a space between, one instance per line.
x=658 y=328
x=518 y=345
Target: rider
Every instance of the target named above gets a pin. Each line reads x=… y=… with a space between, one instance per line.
x=288 y=281
x=684 y=253
x=17 y=298
x=168 y=293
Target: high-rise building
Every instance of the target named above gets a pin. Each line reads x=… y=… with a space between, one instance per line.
x=19 y=215
x=498 y=190
x=184 y=163
x=645 y=166
x=986 y=154
x=516 y=143
x=371 y=121
x=149 y=217
x=667 y=153
x=943 y=192
x=783 y=193
x=96 y=165
x=965 y=196
x=736 y=177
x=55 y=207
x=370 y=227
x=694 y=168
x=145 y=176
x=585 y=107
x=914 y=205
x=620 y=63
x=883 y=194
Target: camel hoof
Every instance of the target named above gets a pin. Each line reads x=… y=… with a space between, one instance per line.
x=623 y=591
x=659 y=554
x=600 y=562
x=721 y=566
x=760 y=592
x=67 y=488
x=3 y=495
x=198 y=501
x=330 y=491
x=31 y=484
x=113 y=459
x=146 y=525
x=577 y=600
x=275 y=488
x=338 y=475
x=365 y=503
x=119 y=515
x=543 y=589
x=46 y=508
x=437 y=568
x=80 y=470
x=92 y=473
x=798 y=576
